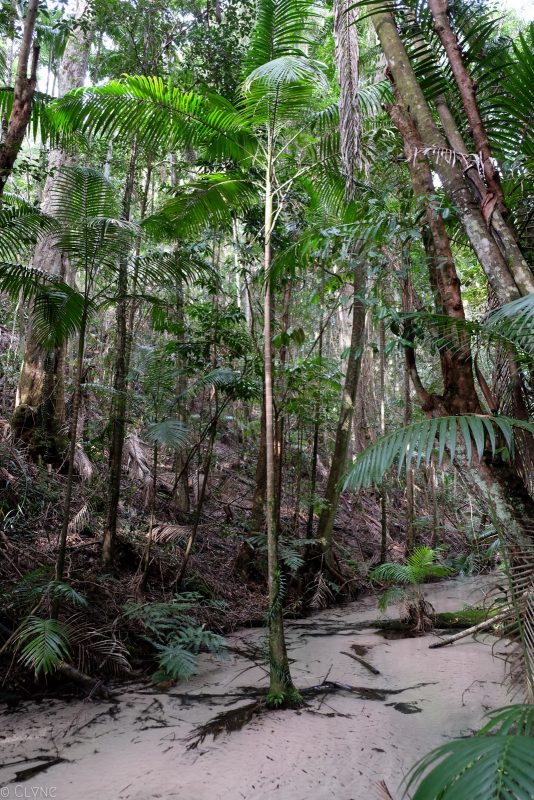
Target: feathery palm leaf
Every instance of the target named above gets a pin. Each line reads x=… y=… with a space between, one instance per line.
x=21 y=225
x=416 y=442
x=163 y=117
x=479 y=768
x=44 y=644
x=171 y=433
x=209 y=201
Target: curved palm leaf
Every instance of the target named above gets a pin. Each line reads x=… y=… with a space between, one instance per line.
x=44 y=644
x=417 y=442
x=480 y=768
x=282 y=28
x=171 y=433
x=210 y=201
x=162 y=116
x=57 y=307
x=21 y=225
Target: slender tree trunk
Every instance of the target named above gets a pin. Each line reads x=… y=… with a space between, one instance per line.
x=257 y=514
x=198 y=513
x=148 y=550
x=49 y=259
x=410 y=531
x=467 y=88
x=120 y=383
x=315 y=446
x=281 y=687
x=279 y=416
x=344 y=426
x=24 y=91
x=62 y=542
x=181 y=493
x=509 y=278
x=383 y=486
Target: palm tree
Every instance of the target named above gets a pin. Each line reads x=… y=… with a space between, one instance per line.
x=262 y=138
x=419 y=567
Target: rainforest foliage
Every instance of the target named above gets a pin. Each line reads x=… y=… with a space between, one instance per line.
x=267 y=325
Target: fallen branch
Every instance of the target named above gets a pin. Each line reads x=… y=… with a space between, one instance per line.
x=481 y=626
x=96 y=686
x=362 y=661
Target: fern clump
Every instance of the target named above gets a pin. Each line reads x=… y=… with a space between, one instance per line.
x=420 y=566
x=176 y=635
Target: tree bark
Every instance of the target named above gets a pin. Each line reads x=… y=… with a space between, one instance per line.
x=509 y=279
x=281 y=687
x=344 y=426
x=467 y=88
x=33 y=377
x=23 y=93
x=120 y=382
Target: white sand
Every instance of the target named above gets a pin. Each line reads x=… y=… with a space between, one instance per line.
x=337 y=747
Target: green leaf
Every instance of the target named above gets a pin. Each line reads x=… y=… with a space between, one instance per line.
x=44 y=644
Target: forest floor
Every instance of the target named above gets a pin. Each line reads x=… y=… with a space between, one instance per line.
x=358 y=728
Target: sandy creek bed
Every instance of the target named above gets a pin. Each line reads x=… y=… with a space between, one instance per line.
x=339 y=746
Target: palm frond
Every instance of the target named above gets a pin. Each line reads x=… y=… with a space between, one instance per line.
x=43 y=644
x=416 y=443
x=171 y=433
x=282 y=28
x=210 y=201
x=163 y=117
x=515 y=321
x=57 y=307
x=21 y=226
x=482 y=767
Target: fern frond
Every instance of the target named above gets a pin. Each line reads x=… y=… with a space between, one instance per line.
x=43 y=644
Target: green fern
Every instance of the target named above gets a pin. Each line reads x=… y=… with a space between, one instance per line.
x=43 y=644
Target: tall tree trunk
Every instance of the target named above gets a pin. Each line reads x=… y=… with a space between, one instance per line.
x=257 y=513
x=410 y=530
x=467 y=88
x=62 y=543
x=281 y=687
x=316 y=428
x=509 y=277
x=347 y=55
x=279 y=416
x=49 y=259
x=23 y=93
x=503 y=488
x=120 y=383
x=344 y=426
x=383 y=485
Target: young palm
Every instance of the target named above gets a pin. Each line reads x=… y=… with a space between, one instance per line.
x=419 y=567
x=263 y=138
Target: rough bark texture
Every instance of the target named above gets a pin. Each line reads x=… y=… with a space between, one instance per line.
x=344 y=426
x=23 y=93
x=509 y=279
x=49 y=259
x=347 y=54
x=120 y=383
x=499 y=228
x=467 y=88
x=502 y=487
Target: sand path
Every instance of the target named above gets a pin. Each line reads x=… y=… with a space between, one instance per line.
x=338 y=746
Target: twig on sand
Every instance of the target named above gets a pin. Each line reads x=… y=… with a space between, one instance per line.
x=362 y=661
